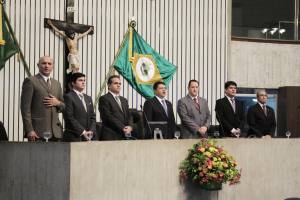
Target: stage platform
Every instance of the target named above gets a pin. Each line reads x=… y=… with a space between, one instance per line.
x=142 y=170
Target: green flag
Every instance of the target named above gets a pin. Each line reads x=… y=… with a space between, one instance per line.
x=141 y=65
x=7 y=45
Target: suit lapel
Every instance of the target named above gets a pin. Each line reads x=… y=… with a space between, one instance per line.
x=86 y=102
x=193 y=103
x=169 y=106
x=78 y=100
x=226 y=101
x=123 y=107
x=113 y=100
x=260 y=110
x=43 y=82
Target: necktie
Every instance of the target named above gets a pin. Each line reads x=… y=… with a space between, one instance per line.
x=265 y=109
x=165 y=106
x=48 y=83
x=196 y=103
x=82 y=101
x=233 y=104
x=119 y=102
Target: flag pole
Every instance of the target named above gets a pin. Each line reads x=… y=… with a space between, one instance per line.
x=111 y=69
x=2 y=42
x=15 y=40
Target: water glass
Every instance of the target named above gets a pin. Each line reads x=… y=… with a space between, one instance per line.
x=177 y=134
x=288 y=134
x=47 y=135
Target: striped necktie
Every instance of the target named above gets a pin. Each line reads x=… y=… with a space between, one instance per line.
x=119 y=102
x=82 y=101
x=165 y=106
x=48 y=83
x=196 y=103
x=233 y=104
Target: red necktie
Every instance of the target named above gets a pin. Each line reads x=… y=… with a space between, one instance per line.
x=196 y=103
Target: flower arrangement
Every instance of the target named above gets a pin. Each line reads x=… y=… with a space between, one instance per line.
x=209 y=165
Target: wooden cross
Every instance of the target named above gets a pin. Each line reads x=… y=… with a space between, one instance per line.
x=71 y=32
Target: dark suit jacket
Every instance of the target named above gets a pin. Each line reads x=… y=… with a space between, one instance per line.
x=154 y=111
x=113 y=119
x=36 y=116
x=3 y=135
x=260 y=124
x=229 y=119
x=76 y=118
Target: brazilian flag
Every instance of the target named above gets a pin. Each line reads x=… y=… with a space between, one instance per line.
x=141 y=65
x=8 y=47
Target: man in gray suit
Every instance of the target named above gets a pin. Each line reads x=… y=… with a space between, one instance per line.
x=41 y=100
x=194 y=113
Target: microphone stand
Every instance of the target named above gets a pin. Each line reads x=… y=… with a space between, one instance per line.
x=146 y=119
x=219 y=119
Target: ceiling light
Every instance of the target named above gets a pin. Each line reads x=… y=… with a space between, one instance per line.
x=281 y=31
x=264 y=30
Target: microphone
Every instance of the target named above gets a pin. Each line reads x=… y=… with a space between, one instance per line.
x=147 y=122
x=219 y=119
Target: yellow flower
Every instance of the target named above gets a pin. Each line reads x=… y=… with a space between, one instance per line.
x=211 y=149
x=201 y=149
x=208 y=154
x=214 y=163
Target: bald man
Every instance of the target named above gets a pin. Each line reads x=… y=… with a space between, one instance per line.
x=41 y=101
x=260 y=117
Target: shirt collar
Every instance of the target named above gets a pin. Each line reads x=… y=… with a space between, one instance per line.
x=229 y=98
x=159 y=99
x=77 y=92
x=44 y=77
x=193 y=97
x=261 y=105
x=114 y=95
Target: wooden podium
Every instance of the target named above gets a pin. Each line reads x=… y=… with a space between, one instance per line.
x=288 y=111
x=142 y=170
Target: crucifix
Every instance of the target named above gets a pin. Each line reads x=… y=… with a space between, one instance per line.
x=71 y=33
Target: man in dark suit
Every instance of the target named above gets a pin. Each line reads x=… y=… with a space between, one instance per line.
x=79 y=113
x=261 y=118
x=114 y=112
x=160 y=109
x=230 y=112
x=194 y=113
x=41 y=101
x=3 y=135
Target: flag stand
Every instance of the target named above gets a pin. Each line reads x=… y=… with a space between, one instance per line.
x=111 y=69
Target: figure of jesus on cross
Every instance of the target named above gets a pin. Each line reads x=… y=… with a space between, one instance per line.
x=71 y=38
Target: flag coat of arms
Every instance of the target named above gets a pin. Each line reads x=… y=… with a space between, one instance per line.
x=141 y=65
